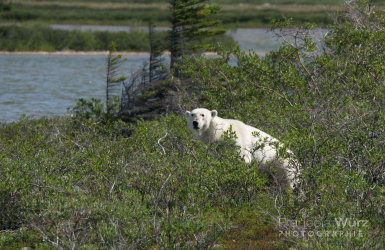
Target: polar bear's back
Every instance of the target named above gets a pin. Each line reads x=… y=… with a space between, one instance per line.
x=248 y=141
x=245 y=132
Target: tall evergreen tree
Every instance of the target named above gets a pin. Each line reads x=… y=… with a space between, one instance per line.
x=142 y=95
x=190 y=21
x=147 y=94
x=156 y=50
x=113 y=82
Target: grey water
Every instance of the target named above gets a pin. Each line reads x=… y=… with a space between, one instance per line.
x=46 y=85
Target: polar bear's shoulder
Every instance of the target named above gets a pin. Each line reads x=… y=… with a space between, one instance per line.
x=225 y=124
x=246 y=130
x=236 y=124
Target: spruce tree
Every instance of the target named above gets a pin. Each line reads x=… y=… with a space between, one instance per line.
x=190 y=21
x=156 y=50
x=113 y=82
x=148 y=93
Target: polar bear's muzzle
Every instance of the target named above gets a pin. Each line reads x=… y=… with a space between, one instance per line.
x=195 y=125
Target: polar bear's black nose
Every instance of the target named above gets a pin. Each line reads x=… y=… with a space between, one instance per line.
x=195 y=124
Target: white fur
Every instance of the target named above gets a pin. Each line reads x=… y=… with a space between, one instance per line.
x=210 y=128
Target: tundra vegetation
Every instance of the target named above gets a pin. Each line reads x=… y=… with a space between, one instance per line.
x=251 y=13
x=36 y=36
x=91 y=181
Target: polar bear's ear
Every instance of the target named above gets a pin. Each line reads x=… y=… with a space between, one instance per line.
x=214 y=113
x=187 y=114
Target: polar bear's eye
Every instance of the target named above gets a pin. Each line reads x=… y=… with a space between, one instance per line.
x=203 y=115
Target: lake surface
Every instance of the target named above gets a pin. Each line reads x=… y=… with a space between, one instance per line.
x=46 y=85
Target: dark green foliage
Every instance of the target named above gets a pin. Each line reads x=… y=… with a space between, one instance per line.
x=87 y=182
x=288 y=2
x=155 y=70
x=145 y=94
x=150 y=92
x=80 y=14
x=113 y=81
x=262 y=18
x=190 y=20
x=123 y=15
x=148 y=100
x=5 y=6
x=66 y=177
x=323 y=96
x=84 y=109
x=40 y=37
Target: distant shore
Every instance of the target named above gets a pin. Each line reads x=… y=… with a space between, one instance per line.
x=94 y=53
x=77 y=53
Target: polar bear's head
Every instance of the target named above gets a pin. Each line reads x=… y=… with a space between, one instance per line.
x=200 y=119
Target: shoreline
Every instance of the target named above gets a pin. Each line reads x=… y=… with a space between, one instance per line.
x=75 y=53
x=96 y=53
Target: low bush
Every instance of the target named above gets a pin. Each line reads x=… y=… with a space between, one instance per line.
x=322 y=94
x=77 y=182
x=91 y=181
x=40 y=37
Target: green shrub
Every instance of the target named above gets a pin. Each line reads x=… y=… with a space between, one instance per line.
x=89 y=181
x=72 y=188
x=323 y=96
x=40 y=37
x=84 y=109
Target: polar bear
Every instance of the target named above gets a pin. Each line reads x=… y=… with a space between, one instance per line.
x=208 y=127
